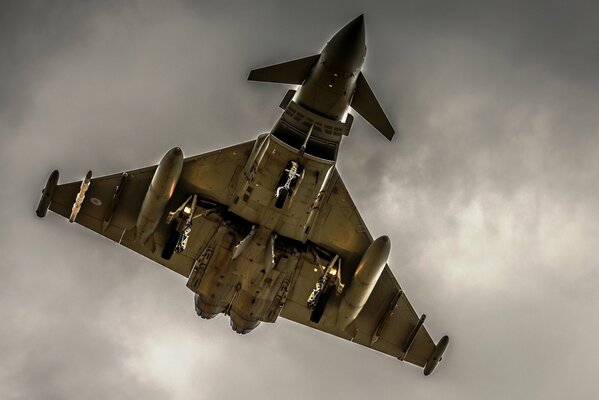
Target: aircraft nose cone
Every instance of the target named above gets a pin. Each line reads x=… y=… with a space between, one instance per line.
x=354 y=31
x=351 y=35
x=355 y=28
x=348 y=46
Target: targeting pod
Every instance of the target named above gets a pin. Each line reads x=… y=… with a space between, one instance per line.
x=436 y=356
x=367 y=274
x=47 y=194
x=159 y=193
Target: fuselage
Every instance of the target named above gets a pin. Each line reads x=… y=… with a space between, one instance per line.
x=267 y=228
x=284 y=182
x=329 y=88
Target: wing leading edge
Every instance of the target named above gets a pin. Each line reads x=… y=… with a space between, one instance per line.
x=112 y=202
x=388 y=323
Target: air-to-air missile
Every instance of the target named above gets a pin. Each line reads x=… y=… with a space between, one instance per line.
x=244 y=243
x=367 y=274
x=159 y=193
x=80 y=196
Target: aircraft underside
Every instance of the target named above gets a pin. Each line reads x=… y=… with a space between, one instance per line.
x=267 y=228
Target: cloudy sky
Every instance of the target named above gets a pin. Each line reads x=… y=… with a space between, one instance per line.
x=489 y=193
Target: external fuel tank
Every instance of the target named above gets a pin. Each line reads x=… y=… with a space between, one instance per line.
x=159 y=193
x=367 y=274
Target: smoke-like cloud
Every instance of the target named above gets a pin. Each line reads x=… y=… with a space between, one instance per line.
x=488 y=194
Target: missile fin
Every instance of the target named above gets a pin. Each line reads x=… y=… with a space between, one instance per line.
x=128 y=234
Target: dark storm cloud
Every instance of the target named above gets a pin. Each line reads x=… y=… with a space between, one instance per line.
x=487 y=193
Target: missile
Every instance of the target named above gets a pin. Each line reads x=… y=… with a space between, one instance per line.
x=367 y=274
x=436 y=356
x=159 y=193
x=47 y=194
x=114 y=202
x=269 y=253
x=80 y=196
x=243 y=244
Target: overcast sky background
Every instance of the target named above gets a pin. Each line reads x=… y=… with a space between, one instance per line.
x=489 y=193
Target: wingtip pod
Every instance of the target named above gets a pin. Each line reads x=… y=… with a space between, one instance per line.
x=47 y=194
x=436 y=355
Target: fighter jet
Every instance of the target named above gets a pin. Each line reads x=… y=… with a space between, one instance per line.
x=266 y=228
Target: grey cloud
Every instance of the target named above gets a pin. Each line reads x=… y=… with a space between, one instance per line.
x=488 y=194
